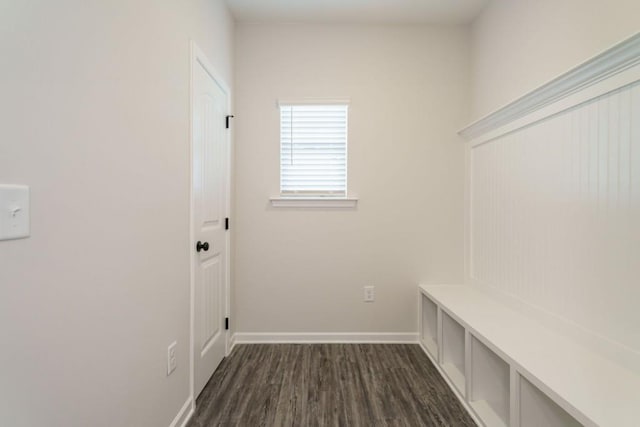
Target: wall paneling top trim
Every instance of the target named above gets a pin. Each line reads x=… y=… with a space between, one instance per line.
x=611 y=62
x=552 y=216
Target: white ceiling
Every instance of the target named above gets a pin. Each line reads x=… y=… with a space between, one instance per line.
x=357 y=11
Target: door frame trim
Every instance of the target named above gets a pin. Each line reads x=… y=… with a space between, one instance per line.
x=198 y=56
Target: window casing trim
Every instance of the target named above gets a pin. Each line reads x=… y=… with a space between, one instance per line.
x=314 y=202
x=313 y=101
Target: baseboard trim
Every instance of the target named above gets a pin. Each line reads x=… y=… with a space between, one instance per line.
x=453 y=388
x=185 y=414
x=324 y=338
x=232 y=343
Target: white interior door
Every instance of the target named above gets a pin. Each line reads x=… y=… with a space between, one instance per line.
x=210 y=200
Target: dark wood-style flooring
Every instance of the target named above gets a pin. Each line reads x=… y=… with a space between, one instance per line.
x=328 y=385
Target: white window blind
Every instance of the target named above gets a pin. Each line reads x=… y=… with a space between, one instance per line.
x=313 y=150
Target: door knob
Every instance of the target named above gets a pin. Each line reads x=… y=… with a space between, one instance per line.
x=202 y=246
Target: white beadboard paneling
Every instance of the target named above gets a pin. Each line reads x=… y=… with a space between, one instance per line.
x=555 y=215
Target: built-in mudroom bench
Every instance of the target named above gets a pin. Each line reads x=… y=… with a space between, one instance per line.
x=545 y=330
x=509 y=370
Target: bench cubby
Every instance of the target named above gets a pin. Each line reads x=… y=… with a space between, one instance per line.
x=429 y=325
x=489 y=387
x=536 y=409
x=453 y=351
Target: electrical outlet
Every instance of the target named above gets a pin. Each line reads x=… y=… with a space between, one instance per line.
x=369 y=294
x=171 y=358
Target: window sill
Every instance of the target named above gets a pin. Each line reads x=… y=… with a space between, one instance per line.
x=314 y=202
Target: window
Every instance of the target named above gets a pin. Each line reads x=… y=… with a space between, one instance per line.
x=313 y=150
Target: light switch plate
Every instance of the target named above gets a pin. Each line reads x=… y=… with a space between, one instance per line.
x=14 y=212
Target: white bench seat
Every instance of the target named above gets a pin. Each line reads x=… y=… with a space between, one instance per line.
x=589 y=387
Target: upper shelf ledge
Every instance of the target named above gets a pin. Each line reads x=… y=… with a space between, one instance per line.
x=612 y=61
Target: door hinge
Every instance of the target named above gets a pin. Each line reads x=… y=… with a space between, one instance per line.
x=226 y=323
x=226 y=223
x=227 y=121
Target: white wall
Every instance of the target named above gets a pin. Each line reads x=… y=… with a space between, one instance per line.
x=303 y=271
x=517 y=45
x=95 y=118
